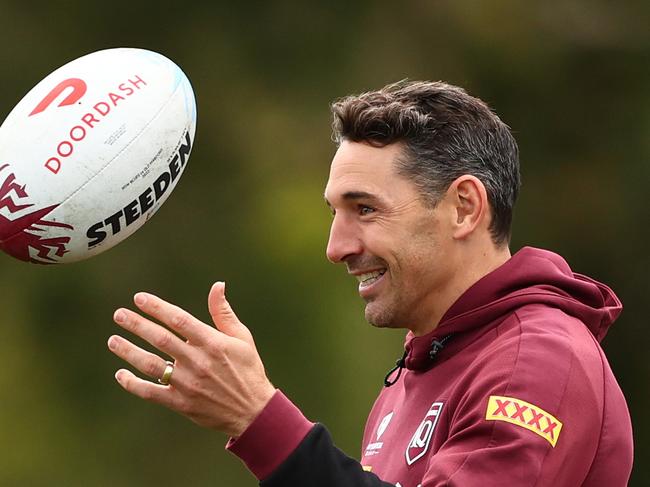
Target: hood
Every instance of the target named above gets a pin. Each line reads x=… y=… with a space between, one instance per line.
x=530 y=276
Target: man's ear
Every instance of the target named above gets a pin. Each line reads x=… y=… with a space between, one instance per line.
x=469 y=199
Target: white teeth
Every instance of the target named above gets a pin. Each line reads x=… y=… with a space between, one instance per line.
x=370 y=277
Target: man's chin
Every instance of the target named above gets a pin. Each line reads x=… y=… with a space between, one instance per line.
x=380 y=316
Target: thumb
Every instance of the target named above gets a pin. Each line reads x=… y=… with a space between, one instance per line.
x=223 y=316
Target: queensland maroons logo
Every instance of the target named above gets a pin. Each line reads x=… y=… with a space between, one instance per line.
x=421 y=440
x=20 y=224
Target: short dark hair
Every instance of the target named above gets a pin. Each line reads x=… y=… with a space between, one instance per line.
x=445 y=133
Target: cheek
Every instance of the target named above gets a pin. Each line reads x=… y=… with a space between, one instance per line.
x=421 y=263
x=379 y=242
x=409 y=249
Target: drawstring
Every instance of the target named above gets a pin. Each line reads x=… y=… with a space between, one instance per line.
x=436 y=346
x=399 y=365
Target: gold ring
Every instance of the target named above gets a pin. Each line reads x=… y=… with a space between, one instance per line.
x=167 y=374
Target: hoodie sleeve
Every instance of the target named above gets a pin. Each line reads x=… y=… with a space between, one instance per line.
x=284 y=449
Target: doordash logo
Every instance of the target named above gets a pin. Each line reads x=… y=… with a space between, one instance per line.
x=78 y=90
x=72 y=133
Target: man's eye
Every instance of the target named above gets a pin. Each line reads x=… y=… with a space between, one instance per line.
x=365 y=210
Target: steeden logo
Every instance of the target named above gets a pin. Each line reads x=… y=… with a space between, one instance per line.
x=373 y=448
x=78 y=90
x=384 y=424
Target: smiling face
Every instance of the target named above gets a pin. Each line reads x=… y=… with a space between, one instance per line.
x=401 y=251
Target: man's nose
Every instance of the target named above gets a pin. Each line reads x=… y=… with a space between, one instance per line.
x=344 y=240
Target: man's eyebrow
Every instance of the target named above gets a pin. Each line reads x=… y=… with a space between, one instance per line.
x=356 y=195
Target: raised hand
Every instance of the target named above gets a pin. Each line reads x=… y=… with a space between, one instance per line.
x=217 y=380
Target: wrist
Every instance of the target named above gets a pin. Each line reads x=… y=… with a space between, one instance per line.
x=257 y=405
x=271 y=437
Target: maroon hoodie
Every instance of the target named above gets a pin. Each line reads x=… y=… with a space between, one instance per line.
x=512 y=388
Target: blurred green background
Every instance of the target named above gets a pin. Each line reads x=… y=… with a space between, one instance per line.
x=570 y=77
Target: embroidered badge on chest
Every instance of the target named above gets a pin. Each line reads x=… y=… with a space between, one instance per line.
x=419 y=444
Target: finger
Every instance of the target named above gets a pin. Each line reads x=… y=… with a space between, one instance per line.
x=223 y=316
x=156 y=335
x=174 y=317
x=146 y=362
x=147 y=390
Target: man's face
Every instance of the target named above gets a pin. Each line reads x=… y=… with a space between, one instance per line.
x=399 y=249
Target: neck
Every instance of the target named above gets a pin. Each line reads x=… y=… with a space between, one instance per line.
x=474 y=265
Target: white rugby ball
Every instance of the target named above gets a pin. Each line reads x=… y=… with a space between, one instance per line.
x=91 y=152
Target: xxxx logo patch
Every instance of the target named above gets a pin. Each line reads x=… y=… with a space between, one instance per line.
x=522 y=413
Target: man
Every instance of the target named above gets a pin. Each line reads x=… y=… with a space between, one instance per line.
x=502 y=381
